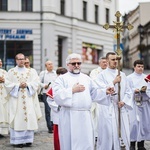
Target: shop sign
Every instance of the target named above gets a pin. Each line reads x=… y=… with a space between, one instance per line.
x=15 y=34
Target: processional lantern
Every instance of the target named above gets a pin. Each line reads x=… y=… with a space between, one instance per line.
x=118 y=27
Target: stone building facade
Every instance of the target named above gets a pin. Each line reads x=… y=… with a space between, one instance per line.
x=52 y=29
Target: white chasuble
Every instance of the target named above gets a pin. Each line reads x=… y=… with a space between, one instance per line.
x=24 y=108
x=3 y=105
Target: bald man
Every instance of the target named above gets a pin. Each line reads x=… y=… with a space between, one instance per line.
x=47 y=77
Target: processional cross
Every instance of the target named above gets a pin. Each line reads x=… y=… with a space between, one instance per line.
x=118 y=27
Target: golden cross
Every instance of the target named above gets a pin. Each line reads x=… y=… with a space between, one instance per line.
x=26 y=119
x=118 y=27
x=22 y=90
x=24 y=107
x=15 y=73
x=23 y=96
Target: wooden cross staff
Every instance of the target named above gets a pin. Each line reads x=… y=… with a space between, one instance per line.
x=118 y=27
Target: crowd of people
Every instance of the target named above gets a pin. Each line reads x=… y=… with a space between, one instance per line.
x=80 y=110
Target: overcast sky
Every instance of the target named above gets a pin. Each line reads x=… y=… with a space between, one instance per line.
x=127 y=5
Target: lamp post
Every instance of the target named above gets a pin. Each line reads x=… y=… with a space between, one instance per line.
x=140 y=31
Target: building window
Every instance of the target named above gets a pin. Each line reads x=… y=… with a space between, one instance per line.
x=107 y=15
x=96 y=14
x=12 y=48
x=26 y=5
x=91 y=53
x=84 y=10
x=62 y=7
x=3 y=5
x=60 y=50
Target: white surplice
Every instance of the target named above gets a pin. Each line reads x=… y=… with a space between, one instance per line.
x=24 y=108
x=95 y=72
x=54 y=110
x=140 y=115
x=3 y=105
x=95 y=106
x=108 y=138
x=75 y=124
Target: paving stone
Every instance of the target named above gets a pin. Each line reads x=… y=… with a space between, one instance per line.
x=42 y=140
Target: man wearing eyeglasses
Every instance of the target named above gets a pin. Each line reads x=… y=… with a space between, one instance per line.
x=27 y=62
x=74 y=92
x=24 y=110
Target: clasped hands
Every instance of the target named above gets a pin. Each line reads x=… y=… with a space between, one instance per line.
x=2 y=80
x=23 y=85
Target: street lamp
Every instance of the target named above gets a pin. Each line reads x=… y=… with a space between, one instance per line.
x=140 y=31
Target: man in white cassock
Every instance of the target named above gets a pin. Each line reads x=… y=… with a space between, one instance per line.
x=140 y=115
x=74 y=92
x=24 y=108
x=108 y=136
x=95 y=106
x=3 y=103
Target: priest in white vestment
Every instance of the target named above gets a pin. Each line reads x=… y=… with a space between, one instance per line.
x=24 y=108
x=108 y=136
x=3 y=104
x=140 y=115
x=74 y=92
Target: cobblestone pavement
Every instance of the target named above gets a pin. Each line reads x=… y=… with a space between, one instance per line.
x=42 y=140
x=147 y=145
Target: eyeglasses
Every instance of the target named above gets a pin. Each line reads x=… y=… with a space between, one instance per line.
x=26 y=62
x=74 y=63
x=21 y=59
